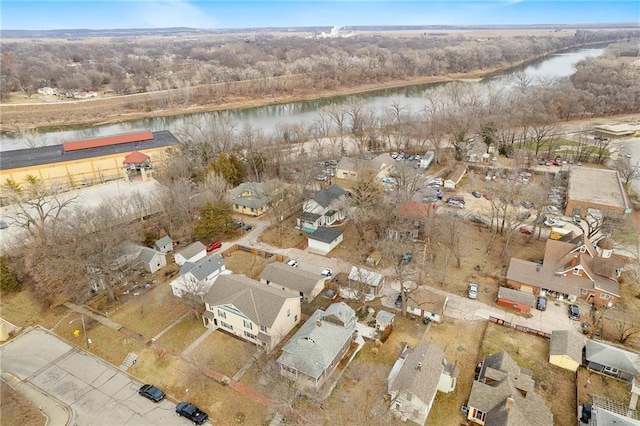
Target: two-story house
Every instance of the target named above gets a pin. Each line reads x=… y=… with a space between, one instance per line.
x=322 y=209
x=198 y=277
x=250 y=310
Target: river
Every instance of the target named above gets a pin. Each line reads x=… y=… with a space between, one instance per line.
x=268 y=117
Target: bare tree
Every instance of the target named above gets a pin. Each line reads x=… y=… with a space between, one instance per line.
x=628 y=171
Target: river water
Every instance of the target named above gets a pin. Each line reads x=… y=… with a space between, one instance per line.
x=268 y=117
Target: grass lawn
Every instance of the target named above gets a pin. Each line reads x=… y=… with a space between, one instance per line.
x=601 y=385
x=284 y=235
x=241 y=262
x=555 y=385
x=150 y=312
x=223 y=353
x=23 y=310
x=460 y=341
x=182 y=334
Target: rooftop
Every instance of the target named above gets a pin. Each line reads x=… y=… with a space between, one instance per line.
x=597 y=186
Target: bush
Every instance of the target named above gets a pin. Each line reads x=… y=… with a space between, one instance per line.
x=8 y=280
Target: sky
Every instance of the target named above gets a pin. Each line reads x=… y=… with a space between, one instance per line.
x=212 y=14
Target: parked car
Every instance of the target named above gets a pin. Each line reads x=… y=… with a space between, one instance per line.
x=480 y=220
x=455 y=203
x=526 y=204
x=213 y=245
x=248 y=228
x=486 y=196
x=326 y=272
x=551 y=222
x=553 y=210
x=576 y=219
x=293 y=263
x=524 y=230
x=473 y=291
x=151 y=392
x=476 y=194
x=541 y=303
x=191 y=412
x=398 y=301
x=406 y=258
x=574 y=312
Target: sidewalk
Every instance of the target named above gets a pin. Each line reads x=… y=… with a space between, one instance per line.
x=55 y=412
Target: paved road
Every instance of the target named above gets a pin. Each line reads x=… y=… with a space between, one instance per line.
x=94 y=392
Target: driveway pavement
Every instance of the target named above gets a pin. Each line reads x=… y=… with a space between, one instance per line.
x=93 y=392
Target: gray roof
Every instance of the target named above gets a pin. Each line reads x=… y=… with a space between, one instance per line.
x=324 y=197
x=20 y=158
x=192 y=249
x=314 y=347
x=567 y=342
x=147 y=254
x=611 y=356
x=517 y=296
x=203 y=267
x=292 y=278
x=254 y=195
x=365 y=276
x=501 y=378
x=420 y=372
x=324 y=234
x=259 y=303
x=385 y=317
x=164 y=241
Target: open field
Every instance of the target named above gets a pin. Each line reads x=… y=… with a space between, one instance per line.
x=555 y=385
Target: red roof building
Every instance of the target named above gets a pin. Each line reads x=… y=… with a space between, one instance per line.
x=136 y=157
x=107 y=141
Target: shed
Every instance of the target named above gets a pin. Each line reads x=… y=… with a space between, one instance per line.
x=164 y=244
x=384 y=319
x=515 y=299
x=152 y=260
x=324 y=239
x=455 y=177
x=374 y=258
x=565 y=349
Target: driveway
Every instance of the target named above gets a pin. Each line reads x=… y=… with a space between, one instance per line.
x=95 y=392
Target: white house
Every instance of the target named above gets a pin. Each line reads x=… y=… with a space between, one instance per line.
x=198 y=277
x=192 y=253
x=250 y=310
x=426 y=160
x=414 y=380
x=425 y=303
x=295 y=281
x=321 y=210
x=362 y=283
x=164 y=244
x=324 y=239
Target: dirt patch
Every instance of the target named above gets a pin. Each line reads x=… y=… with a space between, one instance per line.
x=284 y=235
x=555 y=385
x=17 y=410
x=603 y=386
x=241 y=262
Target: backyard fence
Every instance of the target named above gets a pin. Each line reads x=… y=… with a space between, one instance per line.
x=519 y=327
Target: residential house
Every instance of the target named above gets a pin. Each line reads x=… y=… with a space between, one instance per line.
x=612 y=361
x=517 y=300
x=504 y=394
x=250 y=310
x=198 y=277
x=191 y=253
x=410 y=218
x=323 y=240
x=362 y=284
x=455 y=176
x=321 y=210
x=250 y=198
x=425 y=303
x=565 y=349
x=151 y=260
x=315 y=350
x=415 y=379
x=426 y=160
x=351 y=168
x=164 y=244
x=569 y=269
x=295 y=281
x=384 y=319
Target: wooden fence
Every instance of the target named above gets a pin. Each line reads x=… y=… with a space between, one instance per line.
x=253 y=251
x=519 y=327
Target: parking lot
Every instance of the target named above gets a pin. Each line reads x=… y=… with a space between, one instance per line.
x=95 y=392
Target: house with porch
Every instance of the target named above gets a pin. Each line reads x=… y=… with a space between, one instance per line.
x=504 y=394
x=250 y=310
x=295 y=281
x=410 y=218
x=414 y=380
x=198 y=277
x=321 y=210
x=250 y=198
x=425 y=303
x=569 y=270
x=315 y=350
x=612 y=361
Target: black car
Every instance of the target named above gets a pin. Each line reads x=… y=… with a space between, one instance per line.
x=191 y=412
x=151 y=392
x=574 y=312
x=541 y=303
x=476 y=194
x=407 y=257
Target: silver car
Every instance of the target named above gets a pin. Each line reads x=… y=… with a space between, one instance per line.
x=473 y=291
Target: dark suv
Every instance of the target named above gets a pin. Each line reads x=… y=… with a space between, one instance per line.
x=541 y=303
x=574 y=312
x=191 y=412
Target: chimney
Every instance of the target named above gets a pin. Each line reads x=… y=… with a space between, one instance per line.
x=419 y=366
x=319 y=323
x=508 y=403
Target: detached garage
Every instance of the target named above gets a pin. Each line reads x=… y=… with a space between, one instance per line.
x=565 y=349
x=324 y=239
x=515 y=299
